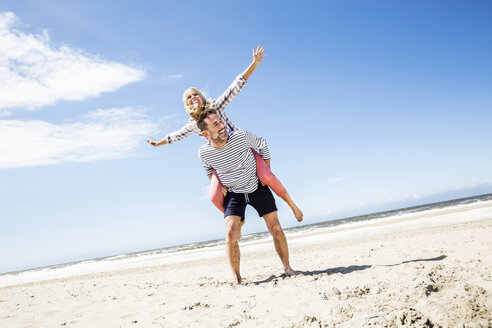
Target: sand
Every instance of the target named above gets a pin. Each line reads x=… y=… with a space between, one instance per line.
x=431 y=269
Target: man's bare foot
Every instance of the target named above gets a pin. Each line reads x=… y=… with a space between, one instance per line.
x=237 y=280
x=289 y=272
x=297 y=212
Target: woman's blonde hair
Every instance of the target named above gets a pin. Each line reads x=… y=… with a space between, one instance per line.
x=191 y=110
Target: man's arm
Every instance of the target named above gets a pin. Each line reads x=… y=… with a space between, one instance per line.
x=208 y=169
x=223 y=189
x=257 y=142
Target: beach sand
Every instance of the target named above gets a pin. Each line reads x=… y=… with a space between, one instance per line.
x=430 y=269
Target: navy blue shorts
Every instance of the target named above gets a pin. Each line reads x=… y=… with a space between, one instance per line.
x=261 y=199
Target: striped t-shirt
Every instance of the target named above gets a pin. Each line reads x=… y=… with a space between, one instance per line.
x=235 y=163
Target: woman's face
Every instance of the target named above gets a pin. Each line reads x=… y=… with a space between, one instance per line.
x=193 y=99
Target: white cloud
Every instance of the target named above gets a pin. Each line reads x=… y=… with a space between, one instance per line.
x=34 y=74
x=168 y=207
x=205 y=193
x=173 y=76
x=338 y=179
x=405 y=196
x=101 y=134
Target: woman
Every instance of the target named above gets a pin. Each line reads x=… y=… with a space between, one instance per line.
x=195 y=103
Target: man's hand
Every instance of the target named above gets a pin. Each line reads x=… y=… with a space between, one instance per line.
x=224 y=191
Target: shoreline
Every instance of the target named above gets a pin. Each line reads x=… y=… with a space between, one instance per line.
x=341 y=232
x=427 y=268
x=293 y=230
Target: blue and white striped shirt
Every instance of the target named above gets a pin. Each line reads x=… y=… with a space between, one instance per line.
x=235 y=163
x=219 y=104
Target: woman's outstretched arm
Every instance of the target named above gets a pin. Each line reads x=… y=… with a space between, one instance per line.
x=157 y=143
x=178 y=135
x=257 y=58
x=240 y=81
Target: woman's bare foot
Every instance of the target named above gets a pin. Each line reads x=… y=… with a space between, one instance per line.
x=297 y=212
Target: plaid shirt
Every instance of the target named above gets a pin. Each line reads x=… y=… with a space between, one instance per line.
x=218 y=104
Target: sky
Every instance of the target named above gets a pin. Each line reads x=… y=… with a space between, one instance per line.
x=366 y=106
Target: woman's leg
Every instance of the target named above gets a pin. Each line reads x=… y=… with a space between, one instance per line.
x=216 y=195
x=268 y=178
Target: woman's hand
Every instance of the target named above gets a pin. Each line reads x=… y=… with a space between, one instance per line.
x=224 y=191
x=157 y=143
x=257 y=58
x=152 y=142
x=258 y=55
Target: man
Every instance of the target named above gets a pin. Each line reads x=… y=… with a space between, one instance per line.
x=233 y=160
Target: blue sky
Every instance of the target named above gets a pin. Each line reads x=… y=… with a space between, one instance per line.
x=366 y=106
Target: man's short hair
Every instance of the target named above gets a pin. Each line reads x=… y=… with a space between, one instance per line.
x=201 y=124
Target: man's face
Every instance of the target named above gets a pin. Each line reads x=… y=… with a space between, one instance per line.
x=216 y=128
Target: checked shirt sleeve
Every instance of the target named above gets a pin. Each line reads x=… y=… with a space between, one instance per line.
x=182 y=133
x=231 y=92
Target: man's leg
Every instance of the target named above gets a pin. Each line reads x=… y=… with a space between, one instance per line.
x=273 y=225
x=233 y=234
